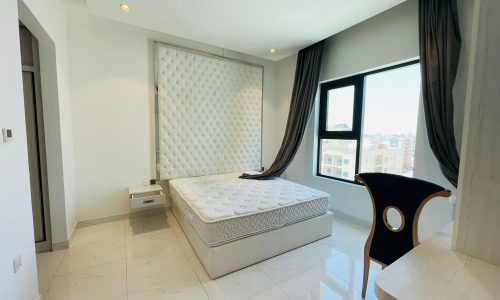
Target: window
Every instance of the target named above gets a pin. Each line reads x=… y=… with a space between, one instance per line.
x=368 y=123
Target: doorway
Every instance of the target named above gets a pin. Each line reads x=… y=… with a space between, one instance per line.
x=35 y=136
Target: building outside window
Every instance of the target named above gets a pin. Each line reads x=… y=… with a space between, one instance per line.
x=368 y=123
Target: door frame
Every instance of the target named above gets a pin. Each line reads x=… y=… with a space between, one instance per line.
x=45 y=245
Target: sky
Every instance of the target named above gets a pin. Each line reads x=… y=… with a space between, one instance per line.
x=340 y=107
x=391 y=102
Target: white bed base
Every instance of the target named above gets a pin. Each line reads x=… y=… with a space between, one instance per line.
x=226 y=258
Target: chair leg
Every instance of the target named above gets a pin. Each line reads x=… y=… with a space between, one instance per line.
x=365 y=274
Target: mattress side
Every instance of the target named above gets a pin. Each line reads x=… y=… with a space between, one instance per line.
x=225 y=231
x=220 y=231
x=234 y=198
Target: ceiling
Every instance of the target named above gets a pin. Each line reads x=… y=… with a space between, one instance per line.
x=250 y=27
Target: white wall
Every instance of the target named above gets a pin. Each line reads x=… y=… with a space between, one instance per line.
x=476 y=228
x=113 y=107
x=388 y=38
x=47 y=21
x=385 y=39
x=16 y=223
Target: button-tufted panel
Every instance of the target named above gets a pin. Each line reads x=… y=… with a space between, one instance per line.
x=209 y=114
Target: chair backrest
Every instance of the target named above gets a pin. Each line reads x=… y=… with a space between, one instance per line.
x=408 y=195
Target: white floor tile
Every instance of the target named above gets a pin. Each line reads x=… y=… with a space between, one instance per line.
x=316 y=284
x=148 y=270
x=48 y=264
x=82 y=256
x=149 y=257
x=106 y=281
x=152 y=245
x=318 y=252
x=198 y=268
x=241 y=284
x=281 y=269
x=100 y=232
x=156 y=224
x=274 y=293
x=182 y=287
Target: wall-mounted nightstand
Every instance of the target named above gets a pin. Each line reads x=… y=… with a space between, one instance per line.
x=144 y=196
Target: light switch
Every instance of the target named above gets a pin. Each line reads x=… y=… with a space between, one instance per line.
x=7 y=135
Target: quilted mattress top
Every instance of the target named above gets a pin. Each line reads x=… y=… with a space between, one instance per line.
x=225 y=196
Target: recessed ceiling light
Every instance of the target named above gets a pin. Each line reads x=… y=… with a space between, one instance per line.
x=272 y=50
x=125 y=7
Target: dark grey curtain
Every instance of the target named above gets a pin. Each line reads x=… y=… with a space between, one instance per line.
x=301 y=105
x=439 y=53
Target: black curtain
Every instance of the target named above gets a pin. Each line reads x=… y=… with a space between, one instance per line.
x=301 y=105
x=439 y=53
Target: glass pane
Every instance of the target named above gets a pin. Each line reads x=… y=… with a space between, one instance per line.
x=338 y=158
x=390 y=121
x=340 y=109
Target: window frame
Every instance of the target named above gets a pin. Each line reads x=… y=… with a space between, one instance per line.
x=358 y=81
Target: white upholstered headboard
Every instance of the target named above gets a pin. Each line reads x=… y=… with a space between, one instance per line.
x=208 y=113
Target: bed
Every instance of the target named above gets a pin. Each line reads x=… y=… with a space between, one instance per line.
x=208 y=113
x=233 y=223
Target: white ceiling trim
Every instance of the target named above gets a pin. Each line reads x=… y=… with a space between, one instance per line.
x=250 y=27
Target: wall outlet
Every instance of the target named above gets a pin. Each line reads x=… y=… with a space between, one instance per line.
x=145 y=182
x=17 y=263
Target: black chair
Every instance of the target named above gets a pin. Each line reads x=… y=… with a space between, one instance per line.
x=385 y=244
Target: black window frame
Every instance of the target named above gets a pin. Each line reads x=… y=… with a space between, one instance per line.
x=358 y=81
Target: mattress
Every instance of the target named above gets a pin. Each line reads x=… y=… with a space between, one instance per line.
x=222 y=208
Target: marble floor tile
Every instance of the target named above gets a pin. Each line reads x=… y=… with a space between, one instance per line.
x=318 y=252
x=152 y=245
x=342 y=227
x=148 y=270
x=100 y=232
x=280 y=269
x=82 y=256
x=350 y=270
x=149 y=257
x=122 y=297
x=241 y=284
x=181 y=287
x=183 y=241
x=318 y=283
x=106 y=281
x=156 y=224
x=198 y=268
x=274 y=293
x=48 y=264
x=350 y=244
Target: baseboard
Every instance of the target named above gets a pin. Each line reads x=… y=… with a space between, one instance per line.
x=64 y=244
x=72 y=233
x=351 y=219
x=107 y=219
x=60 y=245
x=139 y=213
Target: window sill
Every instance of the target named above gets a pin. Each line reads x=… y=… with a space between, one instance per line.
x=344 y=181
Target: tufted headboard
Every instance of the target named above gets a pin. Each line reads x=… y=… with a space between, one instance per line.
x=208 y=113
